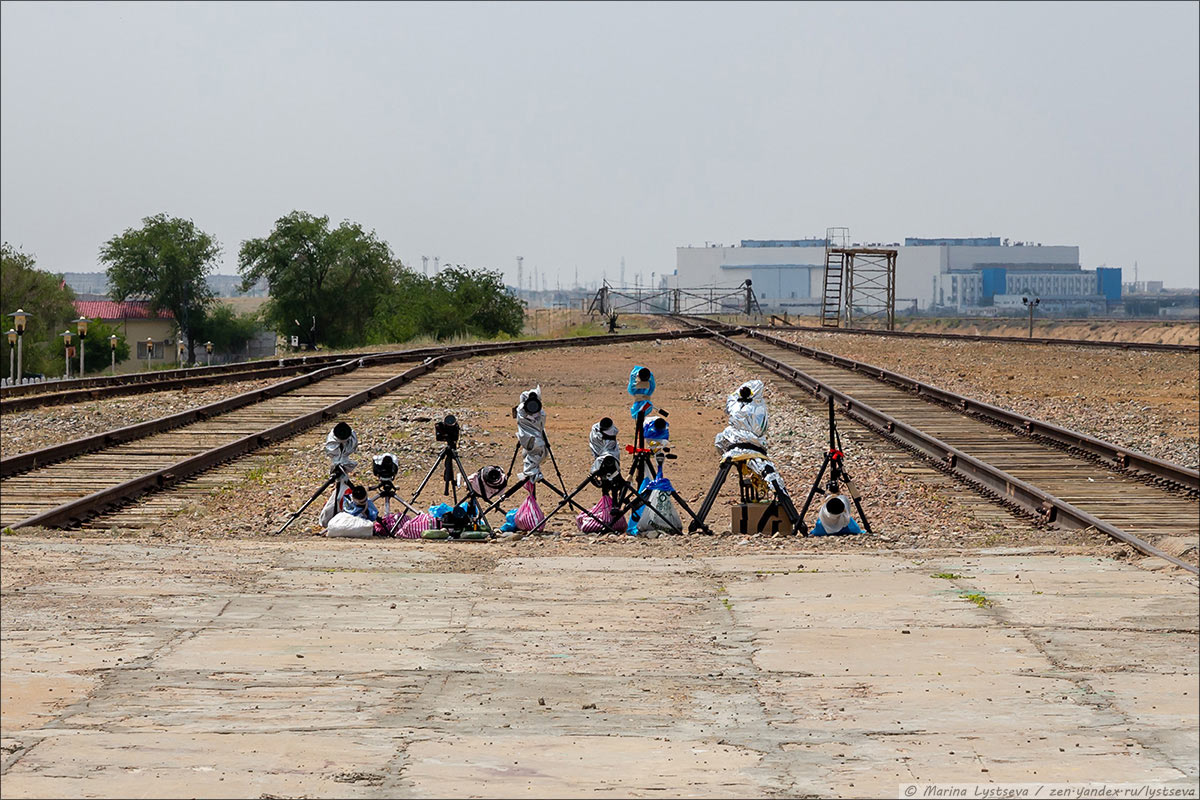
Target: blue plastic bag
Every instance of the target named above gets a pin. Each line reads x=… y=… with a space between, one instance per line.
x=510 y=521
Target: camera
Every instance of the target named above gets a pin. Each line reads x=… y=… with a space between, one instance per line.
x=642 y=379
x=447 y=430
x=744 y=394
x=533 y=404
x=385 y=467
x=608 y=470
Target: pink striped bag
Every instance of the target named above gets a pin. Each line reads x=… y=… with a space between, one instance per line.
x=601 y=515
x=529 y=516
x=413 y=528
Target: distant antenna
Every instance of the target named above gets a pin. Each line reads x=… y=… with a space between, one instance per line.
x=622 y=270
x=425 y=265
x=576 y=276
x=520 y=273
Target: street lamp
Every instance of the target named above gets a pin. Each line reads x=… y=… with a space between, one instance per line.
x=149 y=352
x=19 y=318
x=1031 y=304
x=112 y=343
x=12 y=348
x=82 y=325
x=208 y=349
x=66 y=337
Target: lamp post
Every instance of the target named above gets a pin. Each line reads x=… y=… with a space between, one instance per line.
x=180 y=347
x=149 y=352
x=12 y=349
x=19 y=318
x=208 y=349
x=66 y=337
x=81 y=324
x=1031 y=304
x=112 y=344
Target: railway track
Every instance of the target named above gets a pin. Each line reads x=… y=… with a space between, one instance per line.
x=64 y=485
x=1057 y=476
x=777 y=323
x=21 y=398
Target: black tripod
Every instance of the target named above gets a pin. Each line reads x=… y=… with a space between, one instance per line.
x=748 y=493
x=835 y=462
x=338 y=475
x=448 y=459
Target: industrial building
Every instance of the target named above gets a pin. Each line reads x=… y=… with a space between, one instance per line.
x=963 y=275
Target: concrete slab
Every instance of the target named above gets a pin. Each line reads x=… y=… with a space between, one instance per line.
x=250 y=669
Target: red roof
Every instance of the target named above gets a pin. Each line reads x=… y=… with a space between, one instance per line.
x=107 y=309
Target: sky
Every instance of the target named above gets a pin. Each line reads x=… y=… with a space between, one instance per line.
x=578 y=134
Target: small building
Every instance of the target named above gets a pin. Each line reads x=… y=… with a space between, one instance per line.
x=136 y=323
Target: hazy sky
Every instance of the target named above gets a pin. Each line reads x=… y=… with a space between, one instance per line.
x=575 y=134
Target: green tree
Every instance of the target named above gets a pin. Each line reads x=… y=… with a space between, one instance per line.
x=459 y=301
x=97 y=353
x=165 y=261
x=228 y=331
x=480 y=302
x=49 y=303
x=325 y=283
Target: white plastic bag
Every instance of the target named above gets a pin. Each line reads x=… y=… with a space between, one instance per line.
x=661 y=502
x=345 y=525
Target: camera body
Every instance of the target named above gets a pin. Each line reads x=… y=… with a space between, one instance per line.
x=447 y=430
x=385 y=467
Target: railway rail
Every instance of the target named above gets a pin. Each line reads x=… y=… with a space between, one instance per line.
x=980 y=337
x=66 y=484
x=1053 y=474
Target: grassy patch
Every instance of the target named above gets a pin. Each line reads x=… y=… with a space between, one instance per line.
x=948 y=576
x=978 y=599
x=257 y=475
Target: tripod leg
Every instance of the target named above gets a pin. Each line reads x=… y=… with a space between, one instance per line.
x=856 y=496
x=816 y=484
x=569 y=499
x=711 y=497
x=644 y=500
x=785 y=502
x=507 y=494
x=473 y=496
x=428 y=475
x=554 y=461
x=309 y=501
x=685 y=507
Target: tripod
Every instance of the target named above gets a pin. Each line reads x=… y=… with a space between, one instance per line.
x=387 y=493
x=748 y=494
x=448 y=459
x=835 y=462
x=338 y=475
x=608 y=479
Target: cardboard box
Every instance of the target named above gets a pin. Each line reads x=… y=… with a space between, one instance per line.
x=746 y=517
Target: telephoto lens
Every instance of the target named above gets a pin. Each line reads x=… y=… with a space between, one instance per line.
x=744 y=394
x=342 y=431
x=533 y=404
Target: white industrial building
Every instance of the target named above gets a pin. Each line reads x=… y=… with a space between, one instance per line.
x=957 y=274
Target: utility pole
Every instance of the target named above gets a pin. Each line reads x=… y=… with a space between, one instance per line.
x=520 y=275
x=622 y=270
